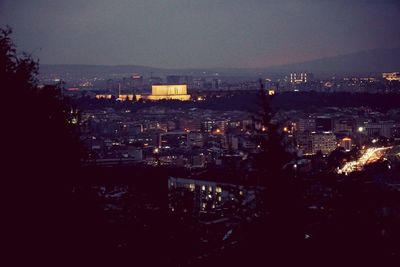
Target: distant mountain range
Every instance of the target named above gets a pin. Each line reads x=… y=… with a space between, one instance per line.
x=370 y=61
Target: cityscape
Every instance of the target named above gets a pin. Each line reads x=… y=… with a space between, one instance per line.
x=175 y=163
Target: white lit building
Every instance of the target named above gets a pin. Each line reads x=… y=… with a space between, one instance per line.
x=311 y=143
x=301 y=77
x=324 y=142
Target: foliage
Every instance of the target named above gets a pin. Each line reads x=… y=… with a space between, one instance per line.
x=43 y=153
x=40 y=118
x=273 y=155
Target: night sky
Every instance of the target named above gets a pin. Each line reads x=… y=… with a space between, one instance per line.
x=198 y=33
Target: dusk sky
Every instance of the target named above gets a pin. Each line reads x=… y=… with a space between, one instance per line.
x=194 y=33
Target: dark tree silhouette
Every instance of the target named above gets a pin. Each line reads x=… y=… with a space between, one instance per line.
x=276 y=235
x=42 y=156
x=272 y=156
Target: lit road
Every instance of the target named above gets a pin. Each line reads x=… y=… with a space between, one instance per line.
x=369 y=155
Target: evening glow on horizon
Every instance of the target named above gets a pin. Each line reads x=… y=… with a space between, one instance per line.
x=180 y=34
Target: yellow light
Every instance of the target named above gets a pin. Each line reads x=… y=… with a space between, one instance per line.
x=165 y=90
x=126 y=97
x=166 y=97
x=103 y=96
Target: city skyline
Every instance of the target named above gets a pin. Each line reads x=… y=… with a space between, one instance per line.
x=208 y=133
x=189 y=34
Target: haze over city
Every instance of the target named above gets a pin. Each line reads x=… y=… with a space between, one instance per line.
x=200 y=133
x=194 y=34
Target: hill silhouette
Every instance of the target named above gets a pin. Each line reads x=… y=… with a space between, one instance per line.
x=368 y=61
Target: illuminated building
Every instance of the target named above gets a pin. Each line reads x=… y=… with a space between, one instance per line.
x=306 y=124
x=391 y=76
x=346 y=143
x=161 y=92
x=324 y=142
x=104 y=96
x=302 y=77
x=208 y=125
x=177 y=139
x=205 y=196
x=221 y=124
x=191 y=125
x=311 y=143
x=125 y=97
